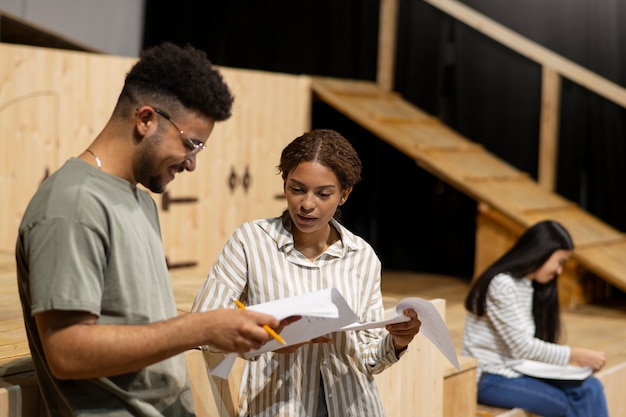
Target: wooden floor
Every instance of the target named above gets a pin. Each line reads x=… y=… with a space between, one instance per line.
x=595 y=327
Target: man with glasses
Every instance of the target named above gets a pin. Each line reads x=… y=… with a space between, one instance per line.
x=102 y=324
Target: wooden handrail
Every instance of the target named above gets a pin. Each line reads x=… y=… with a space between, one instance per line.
x=533 y=51
x=554 y=66
x=549 y=128
x=387 y=43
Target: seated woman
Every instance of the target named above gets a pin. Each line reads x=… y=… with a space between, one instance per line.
x=513 y=314
x=304 y=250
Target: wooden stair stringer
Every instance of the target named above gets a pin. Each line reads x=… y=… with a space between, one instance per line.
x=471 y=169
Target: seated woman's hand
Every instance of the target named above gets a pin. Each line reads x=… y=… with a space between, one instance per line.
x=587 y=357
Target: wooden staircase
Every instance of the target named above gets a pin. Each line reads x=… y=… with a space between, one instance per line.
x=509 y=200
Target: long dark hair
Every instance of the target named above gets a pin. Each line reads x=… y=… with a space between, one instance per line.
x=531 y=250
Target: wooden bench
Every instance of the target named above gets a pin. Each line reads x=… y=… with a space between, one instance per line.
x=612 y=378
x=459 y=389
x=487 y=411
x=19 y=392
x=412 y=387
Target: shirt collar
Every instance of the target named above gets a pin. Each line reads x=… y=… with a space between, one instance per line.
x=284 y=239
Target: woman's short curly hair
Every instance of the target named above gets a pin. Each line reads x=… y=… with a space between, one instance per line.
x=169 y=73
x=327 y=147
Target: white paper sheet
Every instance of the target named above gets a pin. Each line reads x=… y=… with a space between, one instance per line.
x=326 y=311
x=551 y=371
x=433 y=327
x=322 y=312
x=392 y=316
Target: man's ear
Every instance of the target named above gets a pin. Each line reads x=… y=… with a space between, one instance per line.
x=144 y=121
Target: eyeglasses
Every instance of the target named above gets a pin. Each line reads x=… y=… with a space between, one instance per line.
x=194 y=145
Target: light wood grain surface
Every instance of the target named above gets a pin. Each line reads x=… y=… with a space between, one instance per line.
x=592 y=326
x=470 y=168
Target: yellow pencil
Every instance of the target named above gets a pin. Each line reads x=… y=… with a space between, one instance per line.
x=265 y=326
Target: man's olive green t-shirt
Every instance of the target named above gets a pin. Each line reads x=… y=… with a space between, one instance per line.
x=90 y=241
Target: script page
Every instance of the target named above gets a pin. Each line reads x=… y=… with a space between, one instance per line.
x=433 y=327
x=322 y=312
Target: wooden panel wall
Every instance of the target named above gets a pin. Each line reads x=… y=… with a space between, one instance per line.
x=269 y=111
x=53 y=103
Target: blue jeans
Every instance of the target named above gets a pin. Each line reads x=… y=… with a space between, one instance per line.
x=548 y=398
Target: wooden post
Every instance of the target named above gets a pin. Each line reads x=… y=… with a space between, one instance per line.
x=387 y=43
x=549 y=128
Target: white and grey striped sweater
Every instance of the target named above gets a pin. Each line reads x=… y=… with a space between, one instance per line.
x=505 y=334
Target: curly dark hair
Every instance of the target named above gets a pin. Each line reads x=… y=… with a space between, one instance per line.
x=169 y=73
x=328 y=148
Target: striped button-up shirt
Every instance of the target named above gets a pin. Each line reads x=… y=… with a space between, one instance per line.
x=259 y=264
x=506 y=333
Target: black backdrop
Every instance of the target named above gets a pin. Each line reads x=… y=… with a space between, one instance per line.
x=483 y=90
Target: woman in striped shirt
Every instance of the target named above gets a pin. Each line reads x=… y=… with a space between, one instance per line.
x=305 y=250
x=513 y=315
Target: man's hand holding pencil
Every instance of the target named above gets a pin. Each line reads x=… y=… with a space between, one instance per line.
x=265 y=326
x=272 y=331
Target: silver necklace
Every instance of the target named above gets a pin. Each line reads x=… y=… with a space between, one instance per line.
x=98 y=161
